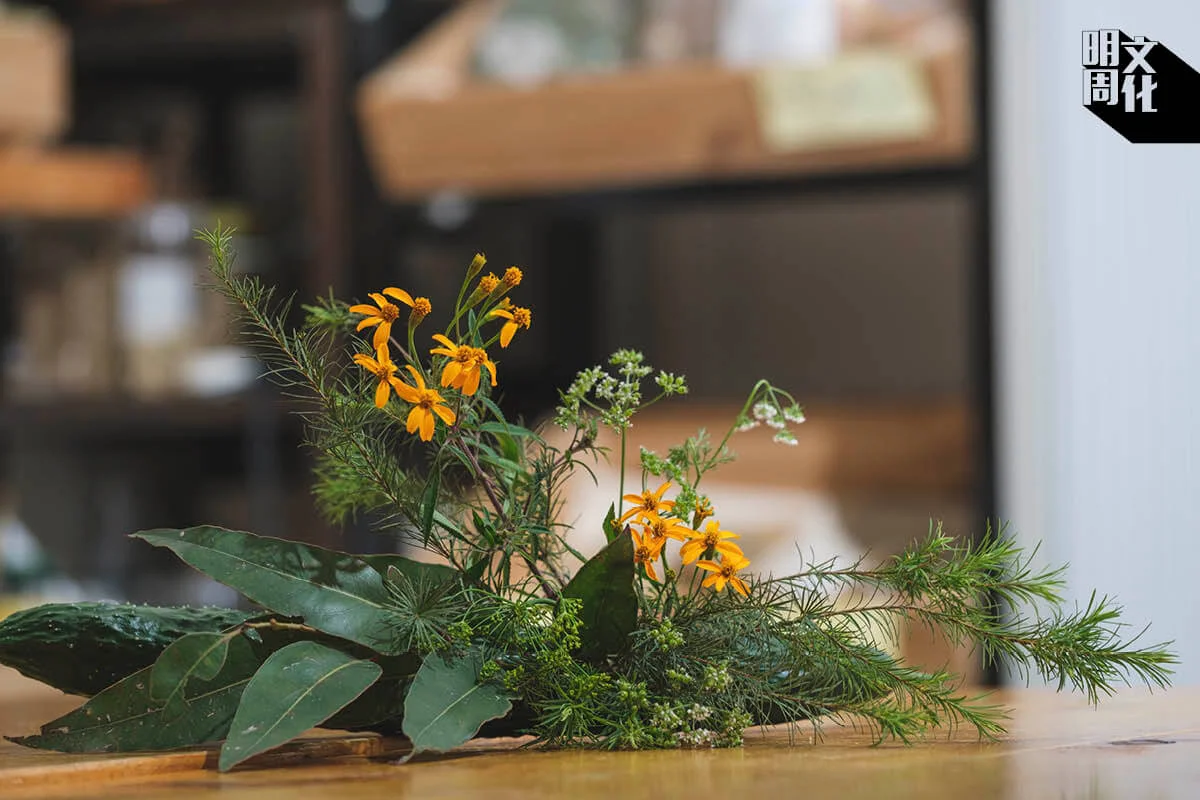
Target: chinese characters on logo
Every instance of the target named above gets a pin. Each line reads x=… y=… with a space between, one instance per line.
x=1116 y=71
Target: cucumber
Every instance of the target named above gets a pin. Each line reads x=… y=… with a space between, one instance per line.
x=83 y=648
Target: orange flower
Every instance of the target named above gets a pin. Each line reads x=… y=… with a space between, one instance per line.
x=383 y=316
x=512 y=277
x=463 y=370
x=420 y=310
x=713 y=538
x=487 y=284
x=648 y=502
x=704 y=510
x=517 y=318
x=385 y=370
x=659 y=529
x=725 y=573
x=645 y=552
x=426 y=404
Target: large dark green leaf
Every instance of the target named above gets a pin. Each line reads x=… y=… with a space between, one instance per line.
x=333 y=592
x=124 y=718
x=413 y=570
x=296 y=689
x=196 y=655
x=605 y=585
x=447 y=703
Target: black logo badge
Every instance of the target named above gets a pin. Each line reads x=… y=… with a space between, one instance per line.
x=1140 y=88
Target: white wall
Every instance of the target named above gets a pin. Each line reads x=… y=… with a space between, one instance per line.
x=1099 y=320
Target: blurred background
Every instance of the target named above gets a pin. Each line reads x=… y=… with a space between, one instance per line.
x=839 y=195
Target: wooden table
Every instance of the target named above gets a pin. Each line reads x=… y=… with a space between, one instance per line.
x=1135 y=746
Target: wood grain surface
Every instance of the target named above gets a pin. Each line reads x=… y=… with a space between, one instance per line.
x=1136 y=745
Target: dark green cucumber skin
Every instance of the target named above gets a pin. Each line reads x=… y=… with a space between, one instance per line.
x=82 y=648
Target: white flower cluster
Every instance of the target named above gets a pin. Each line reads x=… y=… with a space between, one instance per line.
x=620 y=393
x=696 y=738
x=773 y=412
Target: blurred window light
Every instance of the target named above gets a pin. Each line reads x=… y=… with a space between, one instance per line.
x=367 y=10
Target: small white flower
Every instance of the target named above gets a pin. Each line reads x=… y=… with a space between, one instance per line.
x=747 y=425
x=785 y=437
x=764 y=411
x=777 y=423
x=794 y=414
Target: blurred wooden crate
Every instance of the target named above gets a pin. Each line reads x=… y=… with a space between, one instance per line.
x=34 y=78
x=428 y=125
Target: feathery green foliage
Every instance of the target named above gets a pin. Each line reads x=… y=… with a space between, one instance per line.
x=646 y=648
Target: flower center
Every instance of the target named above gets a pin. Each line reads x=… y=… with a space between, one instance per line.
x=389 y=312
x=464 y=355
x=384 y=371
x=427 y=401
x=521 y=316
x=421 y=307
x=649 y=503
x=643 y=554
x=711 y=539
x=727 y=571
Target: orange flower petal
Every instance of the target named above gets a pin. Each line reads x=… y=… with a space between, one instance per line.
x=445 y=413
x=506 y=333
x=450 y=373
x=379 y=299
x=427 y=423
x=381 y=334
x=368 y=322
x=740 y=585
x=500 y=312
x=437 y=337
x=420 y=381
x=399 y=294
x=491 y=368
x=382 y=393
x=471 y=384
x=729 y=549
x=363 y=308
x=414 y=419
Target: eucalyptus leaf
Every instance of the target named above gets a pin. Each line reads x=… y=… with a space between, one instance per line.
x=336 y=593
x=447 y=704
x=381 y=707
x=196 y=655
x=296 y=689
x=610 y=605
x=124 y=718
x=413 y=570
x=611 y=531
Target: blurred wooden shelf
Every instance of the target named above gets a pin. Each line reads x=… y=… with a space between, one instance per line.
x=69 y=183
x=107 y=416
x=430 y=126
x=894 y=448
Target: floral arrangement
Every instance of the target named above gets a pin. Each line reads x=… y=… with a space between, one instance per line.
x=664 y=638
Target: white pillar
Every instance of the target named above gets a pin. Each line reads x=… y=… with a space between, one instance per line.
x=1098 y=323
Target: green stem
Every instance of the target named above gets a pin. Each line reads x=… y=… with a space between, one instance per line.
x=621 y=477
x=745 y=407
